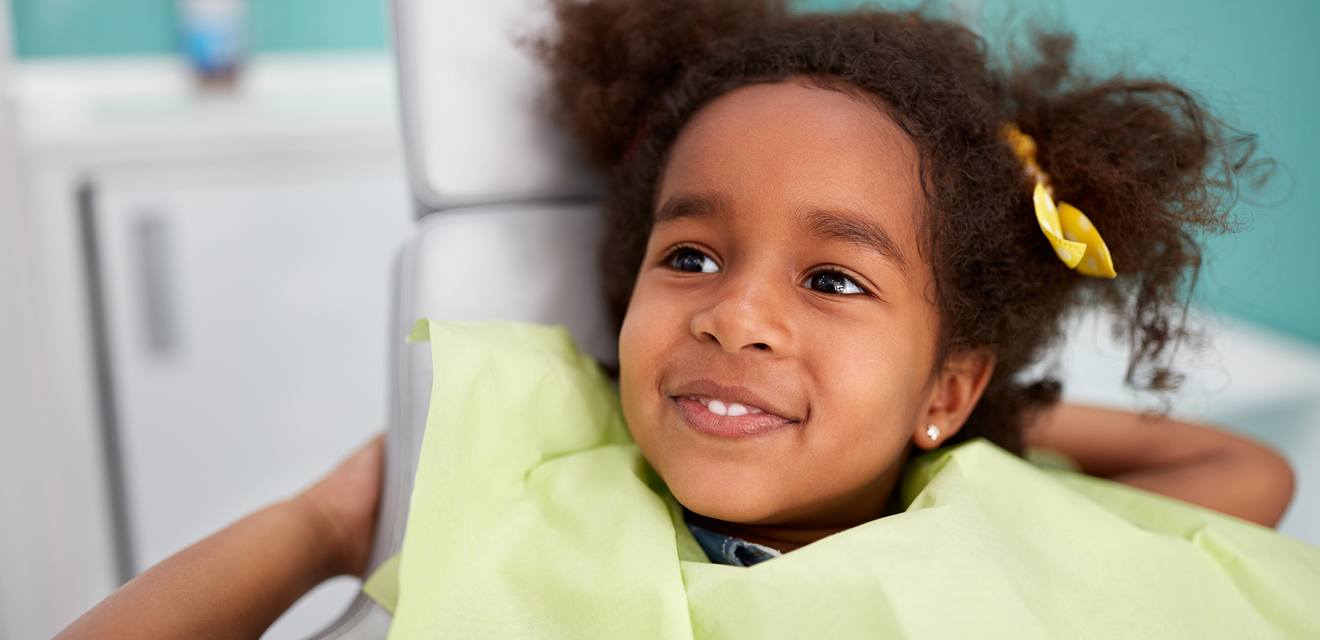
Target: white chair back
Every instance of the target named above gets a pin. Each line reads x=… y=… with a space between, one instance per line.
x=508 y=229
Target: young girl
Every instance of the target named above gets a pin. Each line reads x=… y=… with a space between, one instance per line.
x=832 y=241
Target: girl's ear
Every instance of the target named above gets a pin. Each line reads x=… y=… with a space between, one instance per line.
x=955 y=392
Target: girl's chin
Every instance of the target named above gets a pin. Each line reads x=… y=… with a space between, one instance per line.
x=728 y=506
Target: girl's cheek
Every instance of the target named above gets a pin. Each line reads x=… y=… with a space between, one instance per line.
x=641 y=340
x=650 y=319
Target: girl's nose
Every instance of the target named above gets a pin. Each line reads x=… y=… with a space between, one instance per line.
x=744 y=314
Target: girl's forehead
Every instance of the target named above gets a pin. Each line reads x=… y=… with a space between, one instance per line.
x=794 y=155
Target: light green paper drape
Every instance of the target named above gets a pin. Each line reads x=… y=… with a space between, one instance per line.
x=535 y=516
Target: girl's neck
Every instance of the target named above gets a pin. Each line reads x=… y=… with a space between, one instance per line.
x=787 y=537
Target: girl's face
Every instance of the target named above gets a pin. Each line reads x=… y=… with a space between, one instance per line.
x=783 y=274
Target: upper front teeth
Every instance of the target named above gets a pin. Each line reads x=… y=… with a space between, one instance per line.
x=719 y=407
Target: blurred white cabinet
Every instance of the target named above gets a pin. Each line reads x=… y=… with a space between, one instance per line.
x=213 y=280
x=246 y=316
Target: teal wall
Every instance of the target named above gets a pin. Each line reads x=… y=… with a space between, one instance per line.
x=1253 y=62
x=47 y=28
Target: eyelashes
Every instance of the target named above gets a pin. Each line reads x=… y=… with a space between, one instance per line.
x=828 y=280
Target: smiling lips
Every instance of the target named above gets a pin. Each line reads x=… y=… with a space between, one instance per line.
x=729 y=411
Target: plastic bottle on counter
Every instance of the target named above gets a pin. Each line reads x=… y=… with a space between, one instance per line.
x=213 y=38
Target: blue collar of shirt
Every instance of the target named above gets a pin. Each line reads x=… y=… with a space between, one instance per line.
x=729 y=550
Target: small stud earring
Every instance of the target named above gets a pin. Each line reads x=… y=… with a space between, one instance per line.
x=932 y=432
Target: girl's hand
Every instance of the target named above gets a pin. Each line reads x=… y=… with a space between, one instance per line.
x=237 y=581
x=343 y=505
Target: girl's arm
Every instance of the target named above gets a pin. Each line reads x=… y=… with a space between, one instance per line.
x=1191 y=462
x=236 y=582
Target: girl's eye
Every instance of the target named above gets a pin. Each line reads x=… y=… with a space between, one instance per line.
x=833 y=282
x=688 y=259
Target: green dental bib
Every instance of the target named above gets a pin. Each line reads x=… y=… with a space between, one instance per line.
x=534 y=515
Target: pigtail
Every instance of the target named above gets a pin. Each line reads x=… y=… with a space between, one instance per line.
x=1154 y=170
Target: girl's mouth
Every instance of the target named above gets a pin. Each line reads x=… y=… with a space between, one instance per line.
x=727 y=419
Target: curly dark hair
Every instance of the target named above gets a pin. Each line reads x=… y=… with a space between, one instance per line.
x=1146 y=161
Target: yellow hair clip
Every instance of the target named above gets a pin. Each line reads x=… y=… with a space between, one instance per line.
x=1075 y=240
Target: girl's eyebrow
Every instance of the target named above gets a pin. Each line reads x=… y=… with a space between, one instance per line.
x=825 y=223
x=854 y=228
x=692 y=205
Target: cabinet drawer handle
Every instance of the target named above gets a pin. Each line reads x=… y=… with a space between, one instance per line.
x=151 y=237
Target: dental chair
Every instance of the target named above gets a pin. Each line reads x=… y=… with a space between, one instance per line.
x=507 y=223
x=508 y=229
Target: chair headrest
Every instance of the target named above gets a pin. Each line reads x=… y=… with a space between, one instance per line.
x=473 y=102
